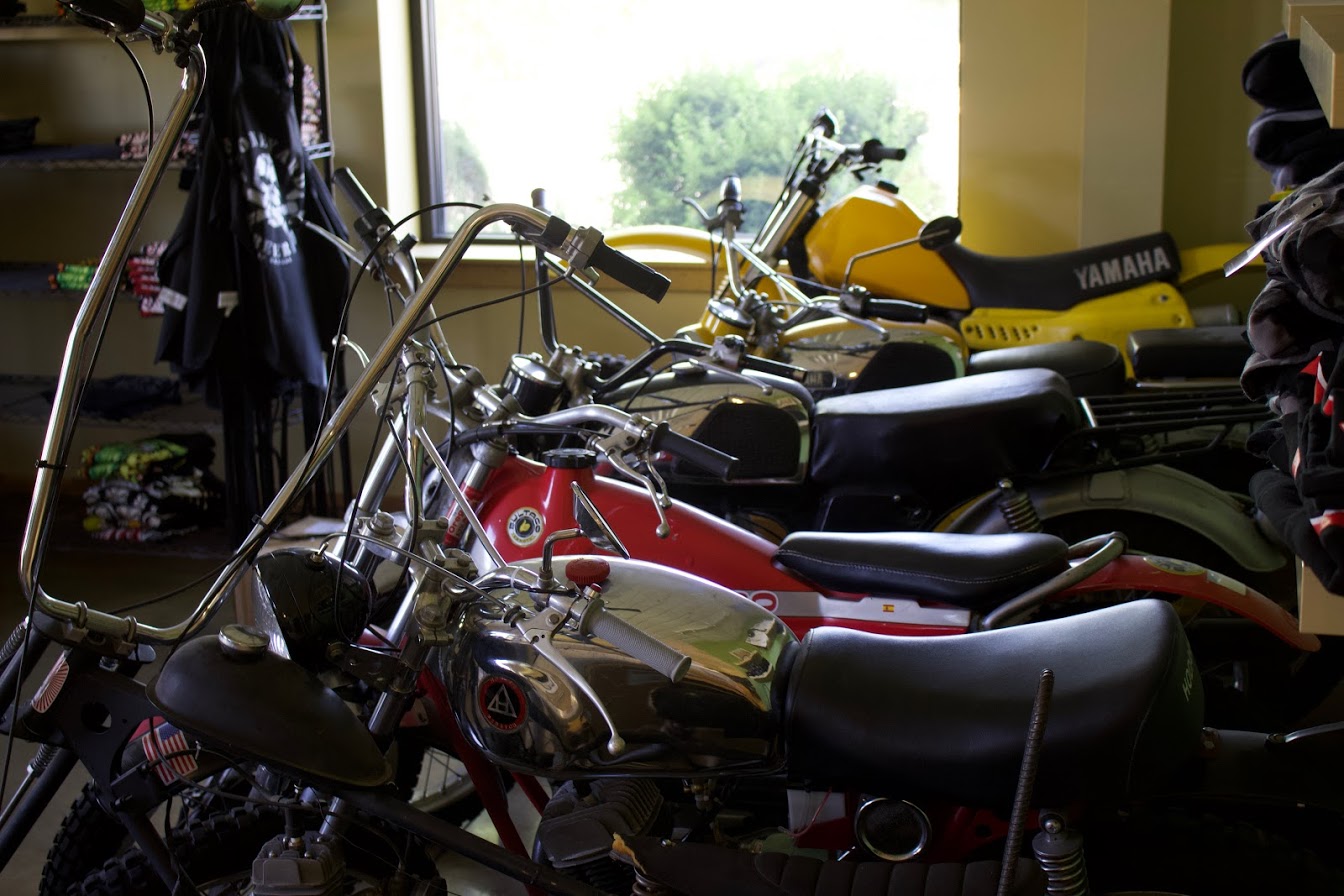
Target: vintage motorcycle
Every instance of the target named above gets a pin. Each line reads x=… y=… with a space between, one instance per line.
x=659 y=705
x=517 y=473
x=900 y=299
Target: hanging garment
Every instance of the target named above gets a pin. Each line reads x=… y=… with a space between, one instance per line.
x=251 y=297
x=241 y=247
x=1296 y=331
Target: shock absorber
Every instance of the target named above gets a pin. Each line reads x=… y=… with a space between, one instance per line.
x=1017 y=508
x=1059 y=851
x=645 y=887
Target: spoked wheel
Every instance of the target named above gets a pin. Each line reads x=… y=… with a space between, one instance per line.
x=442 y=787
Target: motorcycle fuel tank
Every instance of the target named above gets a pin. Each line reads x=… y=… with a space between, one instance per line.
x=722 y=717
x=764 y=421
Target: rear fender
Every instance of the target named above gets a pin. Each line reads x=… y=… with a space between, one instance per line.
x=1201 y=264
x=1154 y=490
x=1166 y=575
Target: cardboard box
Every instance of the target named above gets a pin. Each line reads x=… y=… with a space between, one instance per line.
x=1318 y=611
x=1293 y=10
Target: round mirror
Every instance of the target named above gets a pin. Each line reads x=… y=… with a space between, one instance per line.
x=940 y=232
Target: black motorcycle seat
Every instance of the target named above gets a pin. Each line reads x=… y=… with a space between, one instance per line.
x=1060 y=281
x=990 y=425
x=1088 y=366
x=976 y=572
x=1219 y=351
x=947 y=717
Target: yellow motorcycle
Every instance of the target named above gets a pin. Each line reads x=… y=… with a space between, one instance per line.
x=851 y=298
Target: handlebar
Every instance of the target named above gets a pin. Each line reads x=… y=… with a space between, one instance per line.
x=874 y=151
x=639 y=277
x=600 y=622
x=701 y=455
x=354 y=191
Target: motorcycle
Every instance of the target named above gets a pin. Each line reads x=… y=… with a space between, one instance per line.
x=900 y=301
x=611 y=675
x=1090 y=479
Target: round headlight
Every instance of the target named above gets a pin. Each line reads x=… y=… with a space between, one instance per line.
x=306 y=599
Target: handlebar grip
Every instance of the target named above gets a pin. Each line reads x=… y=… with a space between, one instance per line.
x=897 y=310
x=698 y=453
x=354 y=191
x=631 y=641
x=778 y=368
x=639 y=277
x=121 y=16
x=874 y=151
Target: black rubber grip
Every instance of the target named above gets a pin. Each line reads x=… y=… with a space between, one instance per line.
x=698 y=453
x=874 y=151
x=633 y=642
x=122 y=16
x=897 y=310
x=778 y=368
x=354 y=191
x=639 y=277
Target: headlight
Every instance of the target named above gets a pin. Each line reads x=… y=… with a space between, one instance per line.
x=303 y=600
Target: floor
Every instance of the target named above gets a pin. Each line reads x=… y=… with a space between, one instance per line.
x=108 y=576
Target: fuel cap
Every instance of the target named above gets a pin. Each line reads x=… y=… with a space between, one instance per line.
x=587 y=571
x=242 y=642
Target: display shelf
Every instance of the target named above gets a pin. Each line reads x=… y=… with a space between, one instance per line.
x=21 y=28
x=19 y=280
x=75 y=157
x=23 y=399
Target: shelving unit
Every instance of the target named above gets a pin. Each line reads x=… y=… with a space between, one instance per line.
x=24 y=285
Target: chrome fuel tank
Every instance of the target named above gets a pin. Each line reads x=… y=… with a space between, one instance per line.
x=722 y=717
x=763 y=421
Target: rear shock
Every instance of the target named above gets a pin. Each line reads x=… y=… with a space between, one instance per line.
x=1017 y=508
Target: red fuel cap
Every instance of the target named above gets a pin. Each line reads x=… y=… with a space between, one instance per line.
x=587 y=571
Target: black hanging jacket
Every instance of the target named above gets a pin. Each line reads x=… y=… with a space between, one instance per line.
x=249 y=289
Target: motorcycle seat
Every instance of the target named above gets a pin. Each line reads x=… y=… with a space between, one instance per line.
x=1217 y=351
x=947 y=717
x=975 y=572
x=1058 y=282
x=1089 y=367
x=985 y=426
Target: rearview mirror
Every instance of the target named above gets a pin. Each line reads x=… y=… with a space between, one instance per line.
x=940 y=232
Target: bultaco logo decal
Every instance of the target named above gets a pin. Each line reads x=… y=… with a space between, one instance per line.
x=1174 y=566
x=524 y=526
x=502 y=704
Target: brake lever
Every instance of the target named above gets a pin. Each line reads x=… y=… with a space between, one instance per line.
x=539 y=629
x=832 y=307
x=657 y=493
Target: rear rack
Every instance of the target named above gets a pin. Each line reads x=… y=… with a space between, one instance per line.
x=1150 y=426
x=1171 y=409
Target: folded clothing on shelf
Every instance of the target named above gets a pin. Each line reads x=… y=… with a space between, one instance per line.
x=151 y=489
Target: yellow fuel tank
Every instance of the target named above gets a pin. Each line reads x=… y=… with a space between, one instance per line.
x=866 y=219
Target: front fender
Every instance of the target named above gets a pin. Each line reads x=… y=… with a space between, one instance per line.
x=666 y=238
x=1154 y=490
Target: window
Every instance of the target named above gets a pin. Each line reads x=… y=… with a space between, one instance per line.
x=619 y=110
